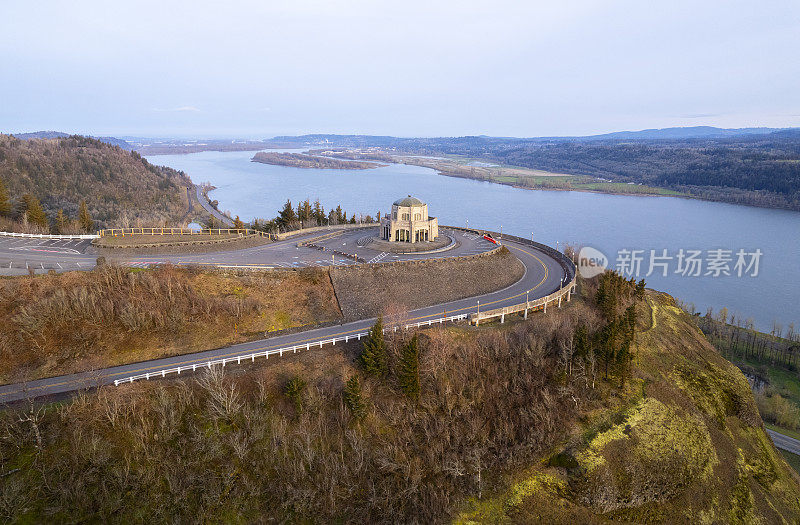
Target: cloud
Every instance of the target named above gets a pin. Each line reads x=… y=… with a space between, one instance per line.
x=181 y=109
x=700 y=115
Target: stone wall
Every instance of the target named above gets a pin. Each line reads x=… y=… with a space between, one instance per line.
x=368 y=290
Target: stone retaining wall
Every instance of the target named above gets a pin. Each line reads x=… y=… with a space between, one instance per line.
x=183 y=247
x=388 y=288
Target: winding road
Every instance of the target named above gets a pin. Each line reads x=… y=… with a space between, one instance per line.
x=543 y=275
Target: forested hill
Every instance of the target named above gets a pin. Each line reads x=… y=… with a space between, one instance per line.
x=119 y=187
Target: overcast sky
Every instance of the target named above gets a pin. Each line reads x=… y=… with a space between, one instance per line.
x=527 y=68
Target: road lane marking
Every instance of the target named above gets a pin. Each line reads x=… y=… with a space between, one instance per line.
x=298 y=343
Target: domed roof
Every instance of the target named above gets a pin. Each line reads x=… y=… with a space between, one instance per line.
x=409 y=201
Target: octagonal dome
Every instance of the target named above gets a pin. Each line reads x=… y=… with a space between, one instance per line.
x=409 y=201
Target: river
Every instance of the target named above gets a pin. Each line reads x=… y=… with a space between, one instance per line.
x=609 y=223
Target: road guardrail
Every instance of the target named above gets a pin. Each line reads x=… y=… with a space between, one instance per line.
x=277 y=351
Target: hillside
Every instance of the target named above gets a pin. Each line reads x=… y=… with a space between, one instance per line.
x=120 y=188
x=514 y=423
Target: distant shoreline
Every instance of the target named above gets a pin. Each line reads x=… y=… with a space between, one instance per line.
x=302 y=160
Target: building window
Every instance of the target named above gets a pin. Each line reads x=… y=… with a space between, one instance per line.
x=417 y=216
x=405 y=216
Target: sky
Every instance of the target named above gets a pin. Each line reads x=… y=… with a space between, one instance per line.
x=255 y=68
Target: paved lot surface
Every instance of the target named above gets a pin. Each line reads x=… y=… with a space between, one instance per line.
x=542 y=276
x=17 y=255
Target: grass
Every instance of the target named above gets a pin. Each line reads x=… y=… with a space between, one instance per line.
x=75 y=321
x=792 y=459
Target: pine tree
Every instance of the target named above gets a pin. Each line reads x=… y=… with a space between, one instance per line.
x=84 y=219
x=318 y=213
x=238 y=224
x=294 y=391
x=5 y=204
x=374 y=356
x=60 y=222
x=640 y=289
x=408 y=373
x=353 y=398
x=287 y=215
x=34 y=210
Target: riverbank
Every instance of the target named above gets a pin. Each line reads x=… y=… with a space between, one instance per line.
x=302 y=160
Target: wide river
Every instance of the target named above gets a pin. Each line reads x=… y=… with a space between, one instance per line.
x=609 y=223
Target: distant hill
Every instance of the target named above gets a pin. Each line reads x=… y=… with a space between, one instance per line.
x=60 y=135
x=681 y=133
x=120 y=187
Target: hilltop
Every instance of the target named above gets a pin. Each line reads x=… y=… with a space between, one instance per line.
x=513 y=423
x=120 y=187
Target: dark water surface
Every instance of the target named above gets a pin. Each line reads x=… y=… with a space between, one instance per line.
x=607 y=222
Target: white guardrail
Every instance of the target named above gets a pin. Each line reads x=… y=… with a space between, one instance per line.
x=48 y=236
x=279 y=351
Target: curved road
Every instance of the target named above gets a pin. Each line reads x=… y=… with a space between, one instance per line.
x=543 y=275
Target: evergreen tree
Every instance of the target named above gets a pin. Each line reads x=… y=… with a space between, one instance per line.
x=60 y=223
x=353 y=219
x=374 y=356
x=640 y=289
x=353 y=398
x=5 y=203
x=340 y=216
x=34 y=210
x=408 y=373
x=319 y=213
x=84 y=219
x=294 y=391
x=287 y=215
x=306 y=215
x=580 y=342
x=238 y=224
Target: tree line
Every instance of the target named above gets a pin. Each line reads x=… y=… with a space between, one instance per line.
x=308 y=215
x=27 y=215
x=121 y=188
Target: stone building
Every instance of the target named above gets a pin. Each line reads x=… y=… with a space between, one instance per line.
x=409 y=222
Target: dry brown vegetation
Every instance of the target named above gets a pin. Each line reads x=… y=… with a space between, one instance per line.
x=82 y=320
x=365 y=291
x=121 y=188
x=509 y=427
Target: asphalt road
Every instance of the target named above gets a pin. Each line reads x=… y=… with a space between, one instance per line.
x=18 y=255
x=542 y=276
x=785 y=442
x=206 y=206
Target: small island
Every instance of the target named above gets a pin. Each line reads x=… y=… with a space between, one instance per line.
x=301 y=160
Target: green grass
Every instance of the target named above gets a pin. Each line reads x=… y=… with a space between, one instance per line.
x=792 y=459
x=621 y=187
x=783 y=381
x=781 y=430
